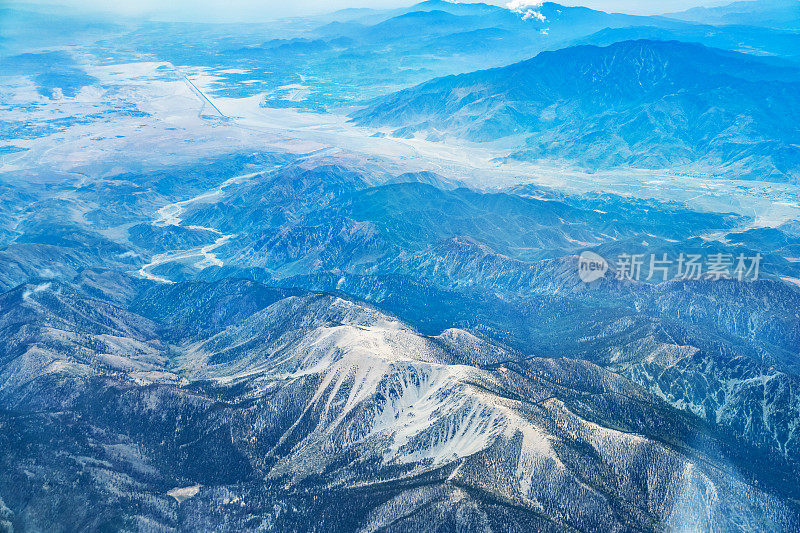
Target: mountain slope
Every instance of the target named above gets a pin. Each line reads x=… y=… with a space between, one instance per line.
x=429 y=254
x=314 y=412
x=648 y=104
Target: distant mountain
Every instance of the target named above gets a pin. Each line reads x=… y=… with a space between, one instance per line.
x=647 y=104
x=456 y=8
x=499 y=31
x=554 y=23
x=368 y=16
x=25 y=26
x=783 y=14
x=766 y=43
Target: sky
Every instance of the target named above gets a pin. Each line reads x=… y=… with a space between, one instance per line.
x=252 y=10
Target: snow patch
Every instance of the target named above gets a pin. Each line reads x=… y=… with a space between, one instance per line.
x=184 y=493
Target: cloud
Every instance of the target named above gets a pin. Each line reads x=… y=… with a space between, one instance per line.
x=527 y=8
x=39 y=288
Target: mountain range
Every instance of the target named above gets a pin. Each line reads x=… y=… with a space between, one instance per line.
x=645 y=104
x=261 y=317
x=781 y=14
x=298 y=410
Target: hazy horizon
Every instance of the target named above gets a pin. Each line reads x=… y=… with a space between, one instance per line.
x=254 y=10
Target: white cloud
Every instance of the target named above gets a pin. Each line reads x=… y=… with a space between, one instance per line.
x=39 y=288
x=527 y=8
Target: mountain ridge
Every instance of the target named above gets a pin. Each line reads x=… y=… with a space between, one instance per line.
x=647 y=104
x=308 y=395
